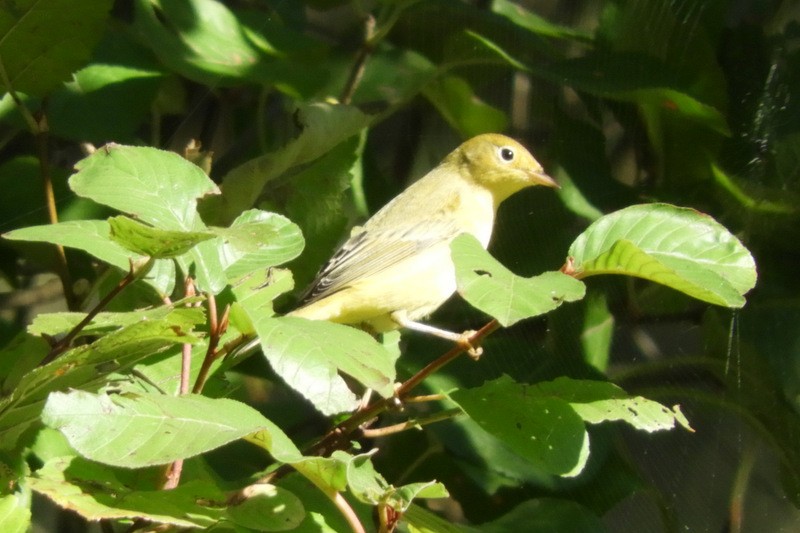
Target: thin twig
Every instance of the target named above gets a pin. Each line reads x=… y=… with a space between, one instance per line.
x=360 y=63
x=339 y=436
x=410 y=424
x=186 y=352
x=348 y=513
x=64 y=343
x=216 y=329
x=40 y=131
x=26 y=114
x=423 y=398
x=172 y=475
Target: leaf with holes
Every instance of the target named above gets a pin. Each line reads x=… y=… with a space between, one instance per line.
x=495 y=290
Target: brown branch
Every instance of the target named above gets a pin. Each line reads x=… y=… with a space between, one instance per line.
x=186 y=351
x=40 y=130
x=339 y=436
x=216 y=329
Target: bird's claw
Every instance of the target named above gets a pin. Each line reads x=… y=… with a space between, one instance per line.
x=465 y=341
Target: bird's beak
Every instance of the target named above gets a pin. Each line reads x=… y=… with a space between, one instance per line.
x=540 y=178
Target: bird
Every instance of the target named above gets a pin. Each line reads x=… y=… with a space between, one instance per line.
x=396 y=268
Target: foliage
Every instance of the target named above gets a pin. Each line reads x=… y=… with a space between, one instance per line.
x=185 y=167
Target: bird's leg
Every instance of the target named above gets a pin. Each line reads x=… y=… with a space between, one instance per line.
x=462 y=339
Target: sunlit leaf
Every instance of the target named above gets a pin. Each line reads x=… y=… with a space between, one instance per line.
x=681 y=248
x=153 y=242
x=492 y=288
x=308 y=354
x=133 y=431
x=258 y=240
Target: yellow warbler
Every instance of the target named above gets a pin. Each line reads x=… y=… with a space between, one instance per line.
x=397 y=268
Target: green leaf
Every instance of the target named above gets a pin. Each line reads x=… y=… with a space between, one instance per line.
x=370 y=487
x=258 y=240
x=268 y=508
x=597 y=331
x=544 y=423
x=135 y=431
x=308 y=355
x=153 y=242
x=15 y=495
x=87 y=366
x=536 y=24
x=421 y=520
x=44 y=42
x=255 y=293
x=160 y=188
x=91 y=236
x=600 y=401
x=156 y=186
x=324 y=126
x=223 y=47
x=544 y=430
x=635 y=78
x=315 y=199
x=462 y=109
x=105 y=101
x=15 y=515
x=677 y=247
x=53 y=324
x=96 y=492
x=492 y=288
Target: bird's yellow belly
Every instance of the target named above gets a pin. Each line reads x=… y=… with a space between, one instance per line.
x=416 y=285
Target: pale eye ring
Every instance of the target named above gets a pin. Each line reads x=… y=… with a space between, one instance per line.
x=506 y=154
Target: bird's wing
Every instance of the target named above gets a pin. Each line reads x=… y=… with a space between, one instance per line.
x=372 y=251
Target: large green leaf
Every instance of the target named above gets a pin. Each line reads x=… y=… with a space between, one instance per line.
x=42 y=43
x=105 y=101
x=94 y=238
x=158 y=187
x=308 y=354
x=545 y=423
x=678 y=247
x=635 y=78
x=134 y=431
x=54 y=324
x=494 y=289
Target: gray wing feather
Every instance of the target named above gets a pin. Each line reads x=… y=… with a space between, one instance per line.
x=372 y=251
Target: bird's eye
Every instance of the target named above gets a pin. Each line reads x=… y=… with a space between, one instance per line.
x=506 y=154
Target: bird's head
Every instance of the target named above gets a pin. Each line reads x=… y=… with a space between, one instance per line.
x=500 y=164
